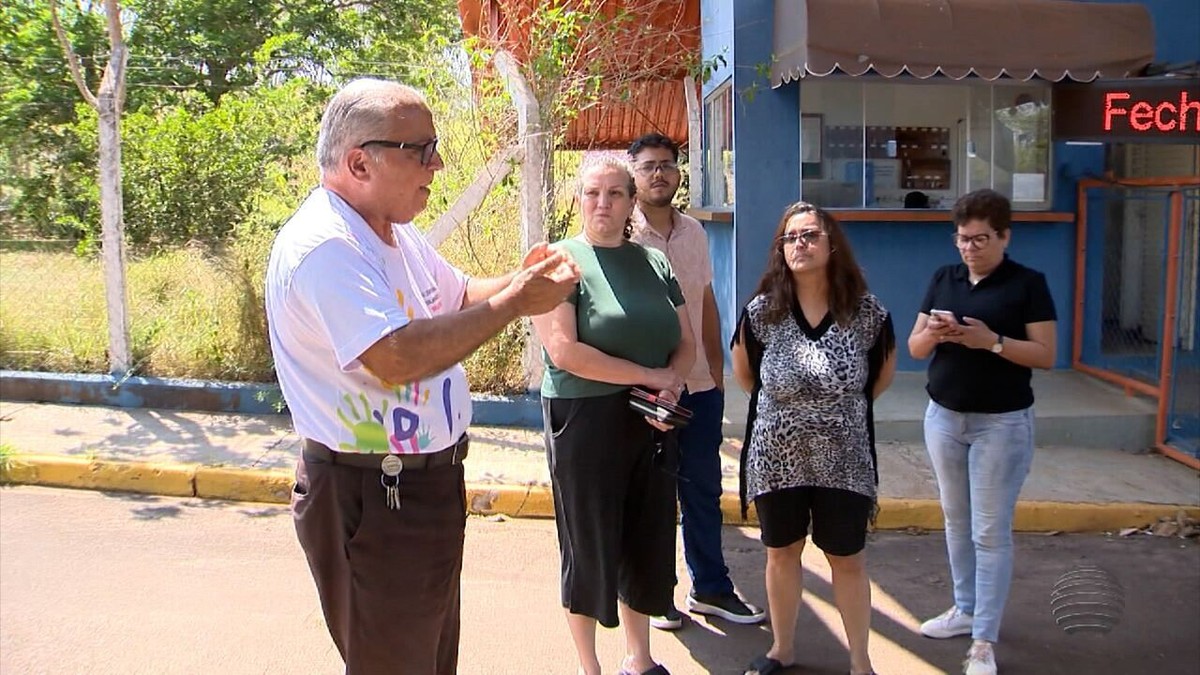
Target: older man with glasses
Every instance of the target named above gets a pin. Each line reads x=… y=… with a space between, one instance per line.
x=657 y=223
x=368 y=326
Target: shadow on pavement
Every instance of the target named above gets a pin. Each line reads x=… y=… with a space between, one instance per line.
x=912 y=582
x=190 y=437
x=160 y=512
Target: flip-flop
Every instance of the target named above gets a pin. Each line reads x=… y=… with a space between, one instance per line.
x=765 y=665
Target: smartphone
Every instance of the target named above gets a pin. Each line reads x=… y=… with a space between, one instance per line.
x=945 y=315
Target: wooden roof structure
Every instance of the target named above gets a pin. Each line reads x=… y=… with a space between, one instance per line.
x=641 y=51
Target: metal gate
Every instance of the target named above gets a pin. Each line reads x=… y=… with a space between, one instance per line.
x=1136 y=319
x=1183 y=405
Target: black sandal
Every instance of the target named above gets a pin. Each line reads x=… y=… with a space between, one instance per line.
x=658 y=669
x=765 y=665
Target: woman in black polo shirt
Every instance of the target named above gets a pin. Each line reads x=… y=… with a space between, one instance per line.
x=987 y=322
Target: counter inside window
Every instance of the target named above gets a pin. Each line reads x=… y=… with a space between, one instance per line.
x=917 y=145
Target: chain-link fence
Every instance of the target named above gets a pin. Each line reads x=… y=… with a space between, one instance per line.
x=192 y=312
x=1125 y=277
x=52 y=314
x=1137 y=301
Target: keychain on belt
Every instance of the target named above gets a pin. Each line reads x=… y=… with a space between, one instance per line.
x=390 y=480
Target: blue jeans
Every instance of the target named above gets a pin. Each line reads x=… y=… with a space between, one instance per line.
x=981 y=461
x=700 y=492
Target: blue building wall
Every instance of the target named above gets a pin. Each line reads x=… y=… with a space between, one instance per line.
x=1176 y=28
x=766 y=141
x=899 y=257
x=716 y=40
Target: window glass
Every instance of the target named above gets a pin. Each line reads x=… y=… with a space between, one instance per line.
x=718 y=147
x=1021 y=137
x=905 y=143
x=911 y=144
x=831 y=142
x=978 y=141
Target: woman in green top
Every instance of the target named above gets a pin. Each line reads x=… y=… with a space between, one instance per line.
x=624 y=325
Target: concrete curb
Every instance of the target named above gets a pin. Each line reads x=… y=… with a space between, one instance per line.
x=518 y=501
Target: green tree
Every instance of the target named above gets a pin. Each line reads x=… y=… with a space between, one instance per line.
x=218 y=46
x=194 y=172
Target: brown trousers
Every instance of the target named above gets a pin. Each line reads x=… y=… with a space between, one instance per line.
x=388 y=579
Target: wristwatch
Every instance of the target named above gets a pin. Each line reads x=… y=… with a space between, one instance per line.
x=999 y=346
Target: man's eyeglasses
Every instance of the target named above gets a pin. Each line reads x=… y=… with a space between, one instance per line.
x=808 y=237
x=648 y=168
x=427 y=148
x=974 y=241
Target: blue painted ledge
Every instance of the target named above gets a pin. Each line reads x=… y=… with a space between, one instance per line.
x=203 y=395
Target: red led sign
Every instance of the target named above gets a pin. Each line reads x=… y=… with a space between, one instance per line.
x=1147 y=115
x=1128 y=111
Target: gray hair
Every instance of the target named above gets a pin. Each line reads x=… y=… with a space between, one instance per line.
x=361 y=111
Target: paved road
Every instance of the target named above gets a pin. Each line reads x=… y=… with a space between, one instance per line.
x=107 y=583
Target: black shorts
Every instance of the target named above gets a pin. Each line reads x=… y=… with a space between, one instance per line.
x=839 y=518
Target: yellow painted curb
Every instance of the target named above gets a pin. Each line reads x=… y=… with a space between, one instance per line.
x=1075 y=517
x=244 y=485
x=520 y=501
x=1031 y=516
x=517 y=501
x=95 y=474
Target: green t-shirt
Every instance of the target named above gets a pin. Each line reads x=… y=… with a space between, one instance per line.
x=624 y=306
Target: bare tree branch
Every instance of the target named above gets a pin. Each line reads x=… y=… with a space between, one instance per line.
x=114 y=72
x=72 y=60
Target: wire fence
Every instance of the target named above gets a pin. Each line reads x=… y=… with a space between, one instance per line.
x=192 y=312
x=1123 y=306
x=1137 y=322
x=52 y=313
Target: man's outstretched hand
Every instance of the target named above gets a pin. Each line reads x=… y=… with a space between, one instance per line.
x=546 y=277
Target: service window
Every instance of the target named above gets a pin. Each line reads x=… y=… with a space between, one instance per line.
x=893 y=144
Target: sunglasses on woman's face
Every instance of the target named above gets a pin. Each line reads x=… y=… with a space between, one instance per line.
x=808 y=237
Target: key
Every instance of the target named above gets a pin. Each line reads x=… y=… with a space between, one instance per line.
x=391 y=466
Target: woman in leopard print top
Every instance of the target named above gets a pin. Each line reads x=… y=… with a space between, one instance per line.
x=814 y=349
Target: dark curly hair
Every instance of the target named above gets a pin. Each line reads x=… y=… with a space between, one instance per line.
x=986 y=205
x=847 y=286
x=654 y=140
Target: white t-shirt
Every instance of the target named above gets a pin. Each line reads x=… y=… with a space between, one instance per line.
x=333 y=289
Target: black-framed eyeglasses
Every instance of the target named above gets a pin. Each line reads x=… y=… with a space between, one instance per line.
x=808 y=237
x=649 y=168
x=974 y=241
x=427 y=148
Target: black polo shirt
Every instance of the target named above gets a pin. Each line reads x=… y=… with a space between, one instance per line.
x=976 y=380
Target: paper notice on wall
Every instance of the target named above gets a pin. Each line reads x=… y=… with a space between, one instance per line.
x=1029 y=187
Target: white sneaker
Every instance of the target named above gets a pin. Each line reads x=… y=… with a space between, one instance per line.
x=672 y=620
x=948 y=624
x=981 y=659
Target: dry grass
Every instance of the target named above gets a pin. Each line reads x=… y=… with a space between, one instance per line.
x=191 y=315
x=196 y=314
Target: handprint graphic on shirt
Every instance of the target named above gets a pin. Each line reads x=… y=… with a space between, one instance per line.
x=369 y=433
